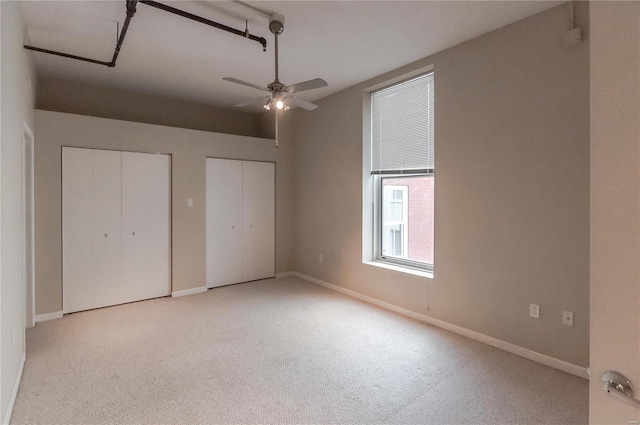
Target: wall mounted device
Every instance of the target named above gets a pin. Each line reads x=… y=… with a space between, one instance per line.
x=574 y=35
x=571 y=37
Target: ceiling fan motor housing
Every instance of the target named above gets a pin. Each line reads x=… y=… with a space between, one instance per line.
x=276 y=24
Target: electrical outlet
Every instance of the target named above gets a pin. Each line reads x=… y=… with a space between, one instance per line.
x=534 y=310
x=567 y=318
x=190 y=202
x=321 y=258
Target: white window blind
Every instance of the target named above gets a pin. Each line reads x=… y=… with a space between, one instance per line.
x=402 y=127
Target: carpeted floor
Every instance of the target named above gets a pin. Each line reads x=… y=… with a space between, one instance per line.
x=278 y=351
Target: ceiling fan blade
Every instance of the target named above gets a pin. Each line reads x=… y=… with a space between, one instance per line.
x=316 y=83
x=256 y=101
x=245 y=83
x=297 y=102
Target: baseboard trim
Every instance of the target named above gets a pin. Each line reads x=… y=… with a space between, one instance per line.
x=14 y=394
x=186 y=292
x=562 y=365
x=284 y=274
x=48 y=316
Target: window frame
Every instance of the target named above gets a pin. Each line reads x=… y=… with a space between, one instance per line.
x=372 y=187
x=378 y=226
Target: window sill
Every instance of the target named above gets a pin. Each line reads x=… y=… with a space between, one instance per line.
x=394 y=267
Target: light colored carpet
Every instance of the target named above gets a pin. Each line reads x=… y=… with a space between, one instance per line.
x=278 y=351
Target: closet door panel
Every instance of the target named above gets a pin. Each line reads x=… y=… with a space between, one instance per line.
x=259 y=219
x=77 y=228
x=146 y=211
x=108 y=288
x=224 y=222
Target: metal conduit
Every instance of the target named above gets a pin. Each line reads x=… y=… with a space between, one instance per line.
x=205 y=21
x=131 y=10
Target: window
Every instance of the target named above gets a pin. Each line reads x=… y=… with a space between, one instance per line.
x=402 y=170
x=394 y=220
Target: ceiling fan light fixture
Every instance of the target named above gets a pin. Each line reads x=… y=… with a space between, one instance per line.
x=282 y=104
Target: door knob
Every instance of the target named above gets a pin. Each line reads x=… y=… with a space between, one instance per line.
x=619 y=386
x=133 y=233
x=106 y=235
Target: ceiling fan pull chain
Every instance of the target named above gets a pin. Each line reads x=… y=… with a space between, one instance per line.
x=276 y=135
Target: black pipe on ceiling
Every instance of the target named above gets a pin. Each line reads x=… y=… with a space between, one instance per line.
x=205 y=21
x=65 y=55
x=131 y=10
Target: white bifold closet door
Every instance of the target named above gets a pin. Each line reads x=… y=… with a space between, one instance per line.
x=115 y=227
x=258 y=217
x=224 y=222
x=146 y=225
x=240 y=221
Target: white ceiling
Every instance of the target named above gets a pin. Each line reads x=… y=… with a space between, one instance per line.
x=343 y=42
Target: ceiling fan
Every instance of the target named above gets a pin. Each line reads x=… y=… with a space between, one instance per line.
x=281 y=97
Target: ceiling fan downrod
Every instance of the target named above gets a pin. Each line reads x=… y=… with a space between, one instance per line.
x=276 y=26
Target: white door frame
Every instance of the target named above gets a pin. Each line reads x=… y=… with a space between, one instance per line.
x=28 y=226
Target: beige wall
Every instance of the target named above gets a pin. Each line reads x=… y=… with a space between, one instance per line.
x=18 y=93
x=511 y=195
x=98 y=101
x=615 y=205
x=188 y=148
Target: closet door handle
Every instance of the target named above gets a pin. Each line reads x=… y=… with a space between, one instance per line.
x=233 y=227
x=106 y=235
x=133 y=233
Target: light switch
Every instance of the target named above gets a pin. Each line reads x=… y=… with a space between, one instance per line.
x=190 y=202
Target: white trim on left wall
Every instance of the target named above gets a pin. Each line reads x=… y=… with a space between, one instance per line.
x=14 y=394
x=29 y=251
x=48 y=316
